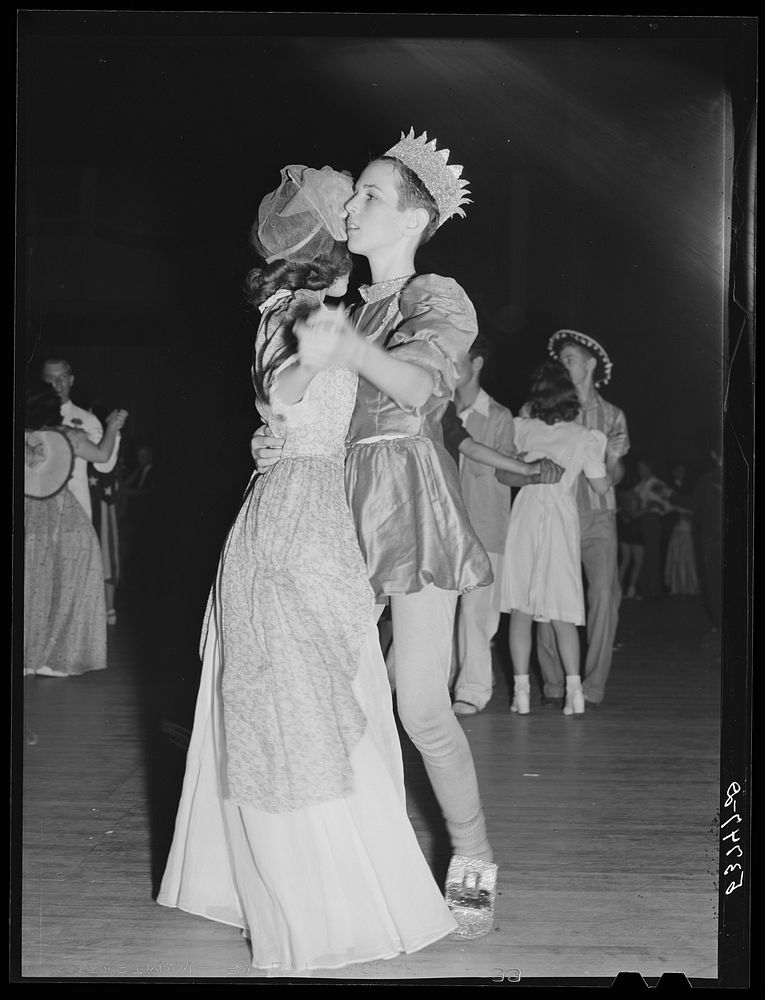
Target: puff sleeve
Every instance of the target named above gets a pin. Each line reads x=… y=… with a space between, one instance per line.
x=438 y=326
x=520 y=430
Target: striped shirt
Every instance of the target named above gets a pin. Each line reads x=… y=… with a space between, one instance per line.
x=601 y=415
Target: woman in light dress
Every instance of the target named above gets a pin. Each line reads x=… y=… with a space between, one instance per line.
x=542 y=576
x=653 y=495
x=64 y=604
x=292 y=823
x=680 y=574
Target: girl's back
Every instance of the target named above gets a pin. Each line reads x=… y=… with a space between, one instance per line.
x=576 y=448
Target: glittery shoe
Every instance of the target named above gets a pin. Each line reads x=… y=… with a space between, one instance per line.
x=471 y=886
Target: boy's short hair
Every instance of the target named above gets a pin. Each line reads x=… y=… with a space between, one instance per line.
x=412 y=193
x=480 y=348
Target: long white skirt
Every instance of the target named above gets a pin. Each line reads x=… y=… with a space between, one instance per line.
x=317 y=888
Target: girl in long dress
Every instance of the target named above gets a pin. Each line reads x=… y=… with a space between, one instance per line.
x=542 y=577
x=680 y=575
x=654 y=495
x=64 y=605
x=292 y=823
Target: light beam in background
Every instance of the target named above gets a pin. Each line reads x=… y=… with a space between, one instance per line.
x=625 y=122
x=624 y=143
x=620 y=144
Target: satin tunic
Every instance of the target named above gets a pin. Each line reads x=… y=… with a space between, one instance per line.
x=402 y=484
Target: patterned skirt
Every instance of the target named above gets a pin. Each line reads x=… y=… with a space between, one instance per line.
x=64 y=603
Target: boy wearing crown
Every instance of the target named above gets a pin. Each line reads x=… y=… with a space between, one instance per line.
x=406 y=340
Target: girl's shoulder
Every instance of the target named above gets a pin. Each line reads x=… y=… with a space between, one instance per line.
x=536 y=424
x=306 y=295
x=578 y=431
x=529 y=429
x=287 y=301
x=282 y=309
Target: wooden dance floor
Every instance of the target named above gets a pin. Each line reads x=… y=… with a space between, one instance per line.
x=605 y=826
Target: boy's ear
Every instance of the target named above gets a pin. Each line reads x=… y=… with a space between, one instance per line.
x=414 y=221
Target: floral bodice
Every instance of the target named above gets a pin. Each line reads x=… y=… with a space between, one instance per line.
x=318 y=424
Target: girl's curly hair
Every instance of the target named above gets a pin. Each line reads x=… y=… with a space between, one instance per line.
x=553 y=395
x=262 y=282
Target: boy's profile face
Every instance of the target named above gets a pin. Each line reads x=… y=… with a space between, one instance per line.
x=577 y=362
x=466 y=368
x=374 y=218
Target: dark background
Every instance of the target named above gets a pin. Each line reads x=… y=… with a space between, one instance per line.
x=609 y=162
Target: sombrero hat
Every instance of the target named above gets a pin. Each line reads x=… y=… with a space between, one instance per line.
x=48 y=463
x=604 y=365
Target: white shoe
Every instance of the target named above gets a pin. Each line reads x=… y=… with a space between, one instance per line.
x=50 y=672
x=574 y=703
x=521 y=703
x=464 y=708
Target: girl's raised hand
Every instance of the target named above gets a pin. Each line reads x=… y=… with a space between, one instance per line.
x=326 y=339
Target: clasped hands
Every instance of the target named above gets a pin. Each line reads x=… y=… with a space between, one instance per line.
x=327 y=340
x=546 y=471
x=549 y=471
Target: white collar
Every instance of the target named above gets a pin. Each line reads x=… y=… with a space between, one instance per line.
x=382 y=289
x=479 y=405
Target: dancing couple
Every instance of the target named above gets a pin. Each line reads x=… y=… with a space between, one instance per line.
x=292 y=823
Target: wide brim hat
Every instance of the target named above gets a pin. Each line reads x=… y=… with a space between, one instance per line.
x=48 y=463
x=604 y=365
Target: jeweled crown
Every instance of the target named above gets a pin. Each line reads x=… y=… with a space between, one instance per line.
x=441 y=178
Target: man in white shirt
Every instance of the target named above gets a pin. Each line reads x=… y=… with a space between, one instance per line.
x=488 y=506
x=59 y=374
